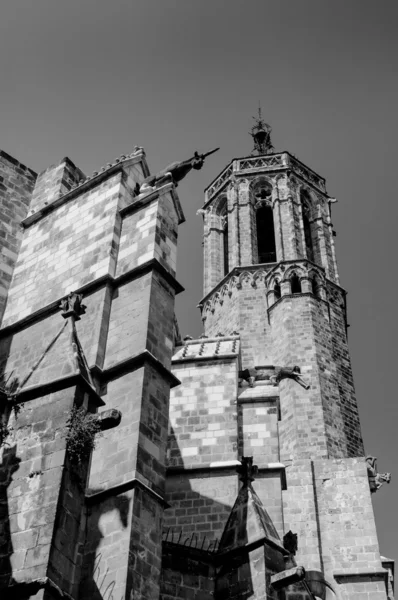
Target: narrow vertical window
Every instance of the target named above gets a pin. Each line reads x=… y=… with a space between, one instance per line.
x=305 y=203
x=295 y=284
x=265 y=234
x=225 y=245
x=224 y=248
x=277 y=290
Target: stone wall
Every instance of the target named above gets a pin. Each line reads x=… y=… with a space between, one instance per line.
x=41 y=502
x=186 y=574
x=54 y=182
x=314 y=422
x=328 y=504
x=16 y=186
x=72 y=242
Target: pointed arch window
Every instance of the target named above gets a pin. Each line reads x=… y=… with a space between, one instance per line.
x=224 y=238
x=265 y=224
x=306 y=210
x=277 y=290
x=295 y=284
x=225 y=246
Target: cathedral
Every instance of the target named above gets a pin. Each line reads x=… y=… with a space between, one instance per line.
x=136 y=465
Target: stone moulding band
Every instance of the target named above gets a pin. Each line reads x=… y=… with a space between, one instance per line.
x=25 y=589
x=258 y=399
x=56 y=385
x=131 y=364
x=229 y=465
x=120 y=488
x=185 y=359
x=353 y=576
x=114 y=282
x=268 y=270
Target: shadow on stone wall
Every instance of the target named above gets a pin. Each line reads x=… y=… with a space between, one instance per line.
x=195 y=522
x=9 y=465
x=95 y=584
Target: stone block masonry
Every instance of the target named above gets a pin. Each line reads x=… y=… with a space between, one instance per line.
x=16 y=187
x=54 y=182
x=233 y=396
x=41 y=504
x=66 y=249
x=95 y=235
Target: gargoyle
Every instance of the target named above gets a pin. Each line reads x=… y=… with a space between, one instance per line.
x=248 y=375
x=376 y=479
x=289 y=373
x=174 y=172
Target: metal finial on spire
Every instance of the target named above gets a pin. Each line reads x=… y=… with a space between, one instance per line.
x=261 y=134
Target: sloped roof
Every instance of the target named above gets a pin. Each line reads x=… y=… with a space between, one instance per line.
x=248 y=522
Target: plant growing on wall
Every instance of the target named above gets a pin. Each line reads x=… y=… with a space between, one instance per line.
x=82 y=427
x=8 y=404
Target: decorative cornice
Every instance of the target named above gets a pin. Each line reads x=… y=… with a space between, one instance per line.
x=264 y=273
x=251 y=165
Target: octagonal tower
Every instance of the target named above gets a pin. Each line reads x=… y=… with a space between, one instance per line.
x=270 y=380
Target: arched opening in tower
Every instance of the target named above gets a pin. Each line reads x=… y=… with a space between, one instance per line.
x=309 y=246
x=224 y=238
x=265 y=235
x=295 y=284
x=225 y=247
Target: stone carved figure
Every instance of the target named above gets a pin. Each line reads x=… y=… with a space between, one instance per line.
x=247 y=375
x=290 y=542
x=257 y=374
x=176 y=171
x=376 y=479
x=72 y=306
x=289 y=373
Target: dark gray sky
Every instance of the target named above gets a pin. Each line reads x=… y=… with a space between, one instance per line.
x=91 y=78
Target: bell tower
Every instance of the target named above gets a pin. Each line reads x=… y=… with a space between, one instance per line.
x=269 y=384
x=271 y=275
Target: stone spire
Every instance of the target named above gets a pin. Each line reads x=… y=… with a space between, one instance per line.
x=248 y=521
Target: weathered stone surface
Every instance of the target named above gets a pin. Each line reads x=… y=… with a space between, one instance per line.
x=99 y=534
x=16 y=187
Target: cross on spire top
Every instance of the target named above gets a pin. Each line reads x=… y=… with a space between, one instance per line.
x=247 y=470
